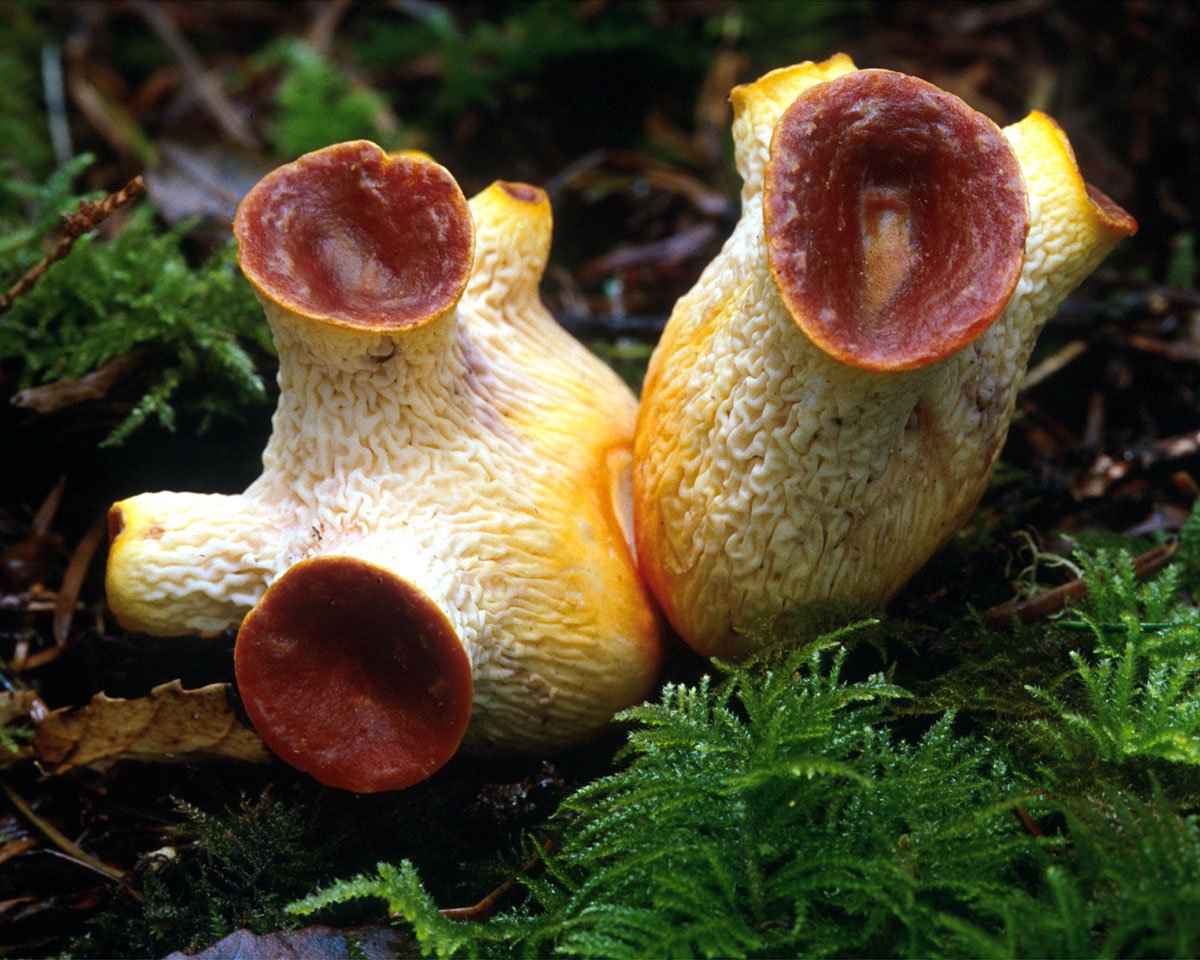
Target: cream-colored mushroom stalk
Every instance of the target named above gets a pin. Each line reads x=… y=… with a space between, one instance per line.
x=438 y=549
x=828 y=401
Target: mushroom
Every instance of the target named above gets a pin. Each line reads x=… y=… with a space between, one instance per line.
x=828 y=401
x=439 y=547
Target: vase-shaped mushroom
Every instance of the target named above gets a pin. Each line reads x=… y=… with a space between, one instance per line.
x=827 y=402
x=439 y=547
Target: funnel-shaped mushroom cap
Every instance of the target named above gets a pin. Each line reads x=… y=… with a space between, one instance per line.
x=826 y=404
x=356 y=237
x=354 y=675
x=895 y=219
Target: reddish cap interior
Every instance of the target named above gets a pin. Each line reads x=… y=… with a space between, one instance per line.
x=895 y=218
x=354 y=676
x=352 y=235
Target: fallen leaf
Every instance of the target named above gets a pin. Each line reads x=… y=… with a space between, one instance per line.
x=688 y=242
x=14 y=704
x=313 y=943
x=201 y=181
x=172 y=725
x=60 y=394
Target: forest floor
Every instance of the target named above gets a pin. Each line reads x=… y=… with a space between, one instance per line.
x=620 y=111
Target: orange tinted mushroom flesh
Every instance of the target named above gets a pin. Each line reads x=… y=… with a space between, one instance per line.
x=895 y=219
x=437 y=554
x=826 y=404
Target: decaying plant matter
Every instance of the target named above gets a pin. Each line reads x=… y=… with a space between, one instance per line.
x=438 y=547
x=827 y=403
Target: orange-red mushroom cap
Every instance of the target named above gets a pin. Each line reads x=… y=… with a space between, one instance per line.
x=353 y=675
x=895 y=219
x=355 y=237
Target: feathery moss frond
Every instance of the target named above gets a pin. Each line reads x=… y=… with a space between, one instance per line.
x=1126 y=885
x=1137 y=696
x=773 y=812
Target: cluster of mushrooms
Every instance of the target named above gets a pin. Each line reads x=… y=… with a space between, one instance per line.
x=465 y=527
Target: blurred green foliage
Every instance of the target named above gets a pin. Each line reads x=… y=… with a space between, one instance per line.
x=778 y=33
x=1181 y=268
x=24 y=138
x=24 y=134
x=317 y=103
x=480 y=64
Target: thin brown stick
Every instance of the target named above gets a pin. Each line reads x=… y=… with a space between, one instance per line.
x=324 y=25
x=89 y=214
x=1027 y=821
x=1052 y=601
x=72 y=581
x=209 y=93
x=491 y=903
x=51 y=833
x=1052 y=364
x=61 y=394
x=35 y=661
x=45 y=514
x=14 y=848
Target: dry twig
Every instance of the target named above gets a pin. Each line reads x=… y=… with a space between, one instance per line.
x=60 y=394
x=208 y=92
x=1052 y=601
x=1027 y=821
x=88 y=216
x=69 y=849
x=72 y=581
x=491 y=903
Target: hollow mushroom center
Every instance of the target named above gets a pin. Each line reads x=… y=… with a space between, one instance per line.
x=888 y=245
x=895 y=218
x=352 y=235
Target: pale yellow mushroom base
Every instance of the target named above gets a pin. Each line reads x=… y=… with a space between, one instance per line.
x=768 y=474
x=483 y=457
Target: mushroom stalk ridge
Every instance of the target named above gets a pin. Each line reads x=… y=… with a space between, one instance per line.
x=439 y=549
x=827 y=403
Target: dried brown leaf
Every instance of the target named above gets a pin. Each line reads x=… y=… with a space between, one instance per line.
x=172 y=725
x=15 y=704
x=60 y=394
x=197 y=180
x=313 y=943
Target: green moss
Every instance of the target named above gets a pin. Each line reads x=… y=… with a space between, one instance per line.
x=801 y=805
x=24 y=134
x=773 y=812
x=317 y=103
x=200 y=325
x=220 y=872
x=1127 y=884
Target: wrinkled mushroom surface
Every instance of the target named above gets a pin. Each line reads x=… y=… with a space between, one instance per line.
x=438 y=550
x=827 y=403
